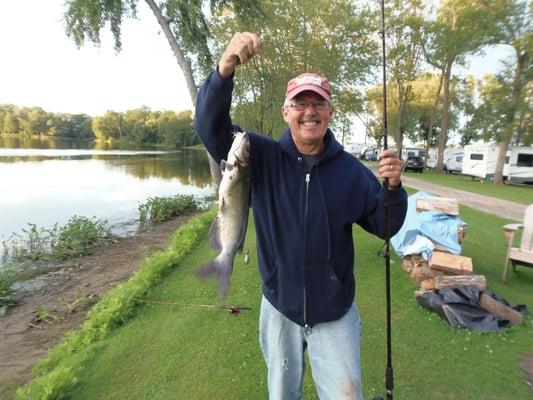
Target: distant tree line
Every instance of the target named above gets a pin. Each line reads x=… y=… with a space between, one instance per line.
x=140 y=125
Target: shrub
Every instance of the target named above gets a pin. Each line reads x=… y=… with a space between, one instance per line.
x=76 y=238
x=157 y=209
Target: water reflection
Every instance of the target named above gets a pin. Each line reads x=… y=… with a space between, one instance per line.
x=45 y=185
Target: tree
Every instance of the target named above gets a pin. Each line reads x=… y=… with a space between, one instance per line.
x=514 y=28
x=108 y=126
x=76 y=126
x=419 y=112
x=333 y=38
x=33 y=121
x=459 y=29
x=184 y=25
x=403 y=55
x=11 y=123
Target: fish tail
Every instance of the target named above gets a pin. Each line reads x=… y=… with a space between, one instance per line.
x=221 y=267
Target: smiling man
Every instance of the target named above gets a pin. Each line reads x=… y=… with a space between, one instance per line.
x=306 y=193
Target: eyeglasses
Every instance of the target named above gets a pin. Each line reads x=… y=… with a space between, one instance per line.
x=301 y=105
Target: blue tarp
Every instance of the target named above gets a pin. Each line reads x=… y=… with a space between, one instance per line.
x=418 y=227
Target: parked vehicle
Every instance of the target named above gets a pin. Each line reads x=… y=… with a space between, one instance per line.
x=370 y=153
x=453 y=160
x=414 y=163
x=480 y=161
x=411 y=152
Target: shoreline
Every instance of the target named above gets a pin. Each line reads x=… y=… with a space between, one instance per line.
x=65 y=295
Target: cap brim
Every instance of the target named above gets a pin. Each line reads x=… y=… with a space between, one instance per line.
x=309 y=87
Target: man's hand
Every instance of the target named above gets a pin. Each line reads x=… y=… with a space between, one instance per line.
x=241 y=48
x=390 y=167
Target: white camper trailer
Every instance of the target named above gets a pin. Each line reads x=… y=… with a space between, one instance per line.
x=520 y=164
x=480 y=161
x=452 y=159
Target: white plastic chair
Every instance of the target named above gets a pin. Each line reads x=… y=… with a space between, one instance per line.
x=522 y=255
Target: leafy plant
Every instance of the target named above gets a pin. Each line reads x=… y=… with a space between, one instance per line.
x=157 y=209
x=8 y=276
x=44 y=314
x=76 y=238
x=81 y=300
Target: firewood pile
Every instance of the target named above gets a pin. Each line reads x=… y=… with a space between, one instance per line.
x=443 y=269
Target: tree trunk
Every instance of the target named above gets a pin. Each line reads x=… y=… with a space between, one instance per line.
x=399 y=126
x=433 y=115
x=447 y=73
x=509 y=121
x=185 y=66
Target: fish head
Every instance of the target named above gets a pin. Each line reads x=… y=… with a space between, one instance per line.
x=239 y=153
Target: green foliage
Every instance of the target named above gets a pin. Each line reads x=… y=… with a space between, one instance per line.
x=9 y=274
x=300 y=36
x=76 y=238
x=34 y=121
x=58 y=372
x=79 y=236
x=157 y=209
x=141 y=125
x=43 y=314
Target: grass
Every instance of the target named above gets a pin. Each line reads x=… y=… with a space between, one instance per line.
x=519 y=194
x=168 y=352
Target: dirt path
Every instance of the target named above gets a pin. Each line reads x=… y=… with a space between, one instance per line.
x=66 y=294
x=492 y=205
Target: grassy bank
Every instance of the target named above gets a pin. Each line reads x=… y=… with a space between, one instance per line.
x=168 y=351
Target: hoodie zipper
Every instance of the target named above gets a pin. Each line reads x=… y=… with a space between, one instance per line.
x=307 y=328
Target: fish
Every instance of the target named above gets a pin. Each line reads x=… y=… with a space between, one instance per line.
x=227 y=232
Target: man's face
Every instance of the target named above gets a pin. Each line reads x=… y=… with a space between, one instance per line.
x=309 y=125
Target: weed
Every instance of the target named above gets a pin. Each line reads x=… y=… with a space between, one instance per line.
x=157 y=209
x=81 y=301
x=44 y=314
x=8 y=275
x=76 y=238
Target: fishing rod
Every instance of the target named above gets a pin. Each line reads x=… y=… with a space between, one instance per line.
x=235 y=310
x=389 y=375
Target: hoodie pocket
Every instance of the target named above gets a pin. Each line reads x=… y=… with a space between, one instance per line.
x=270 y=277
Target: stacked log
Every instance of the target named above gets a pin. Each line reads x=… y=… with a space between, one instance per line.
x=443 y=269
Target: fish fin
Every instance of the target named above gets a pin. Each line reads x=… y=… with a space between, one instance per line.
x=214 y=235
x=221 y=268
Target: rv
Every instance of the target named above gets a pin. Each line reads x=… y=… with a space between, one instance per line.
x=480 y=161
x=452 y=159
x=355 y=148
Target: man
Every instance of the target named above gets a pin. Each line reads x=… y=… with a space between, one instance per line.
x=307 y=192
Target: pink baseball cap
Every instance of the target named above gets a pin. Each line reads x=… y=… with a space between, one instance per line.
x=308 y=81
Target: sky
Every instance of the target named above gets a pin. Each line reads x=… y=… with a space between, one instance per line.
x=40 y=66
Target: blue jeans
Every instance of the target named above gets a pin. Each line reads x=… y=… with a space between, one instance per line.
x=334 y=355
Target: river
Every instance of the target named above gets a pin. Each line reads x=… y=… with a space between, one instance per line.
x=46 y=181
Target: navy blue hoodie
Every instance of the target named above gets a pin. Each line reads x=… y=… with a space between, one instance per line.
x=303 y=221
